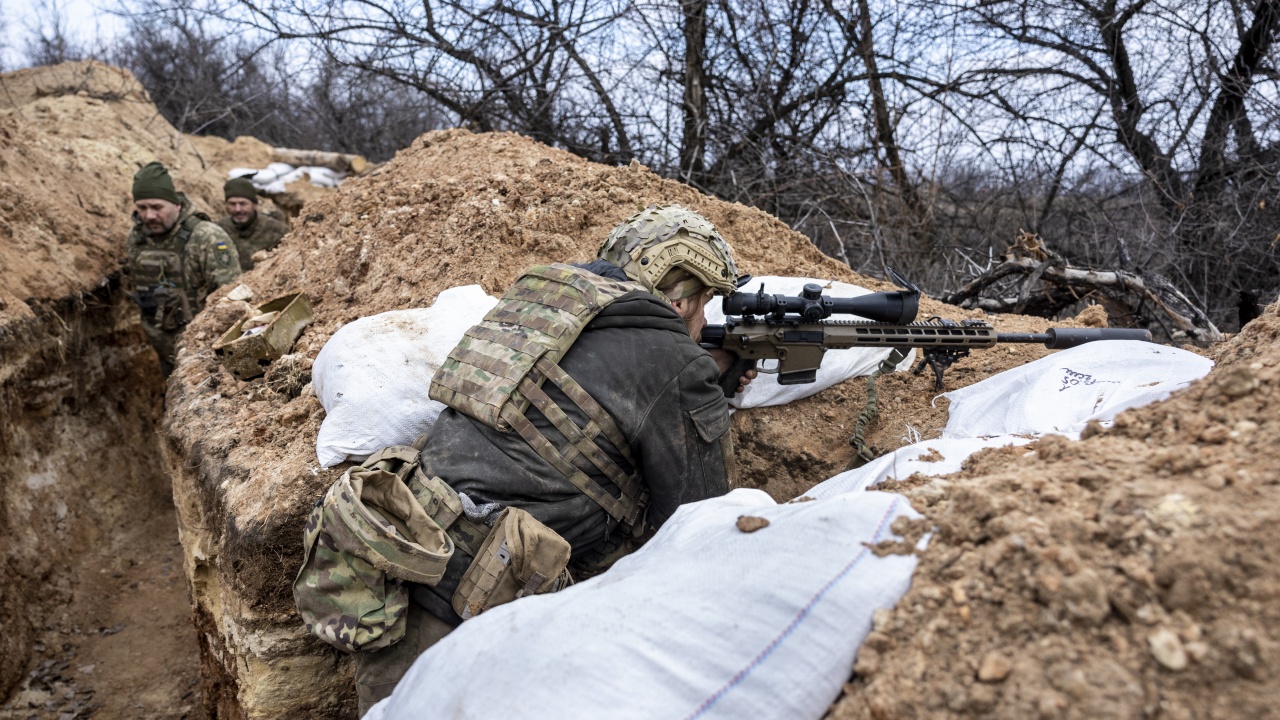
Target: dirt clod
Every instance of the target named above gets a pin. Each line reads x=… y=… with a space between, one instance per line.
x=994 y=668
x=1167 y=649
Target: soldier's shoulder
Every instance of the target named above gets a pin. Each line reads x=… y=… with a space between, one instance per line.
x=274 y=223
x=226 y=223
x=208 y=231
x=210 y=240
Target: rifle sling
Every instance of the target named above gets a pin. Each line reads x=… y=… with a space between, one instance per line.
x=863 y=453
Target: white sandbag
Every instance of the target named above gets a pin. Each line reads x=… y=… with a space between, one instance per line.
x=271 y=179
x=837 y=365
x=279 y=169
x=323 y=176
x=704 y=621
x=373 y=375
x=289 y=177
x=931 y=458
x=263 y=178
x=1063 y=391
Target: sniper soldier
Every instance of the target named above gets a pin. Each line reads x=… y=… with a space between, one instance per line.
x=582 y=409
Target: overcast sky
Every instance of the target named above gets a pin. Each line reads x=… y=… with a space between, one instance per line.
x=87 y=21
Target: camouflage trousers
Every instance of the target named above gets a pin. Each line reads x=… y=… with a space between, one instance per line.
x=378 y=672
x=165 y=342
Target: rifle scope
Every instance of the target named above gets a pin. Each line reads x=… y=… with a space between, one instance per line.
x=897 y=306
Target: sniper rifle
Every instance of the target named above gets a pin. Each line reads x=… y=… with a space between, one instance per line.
x=797 y=332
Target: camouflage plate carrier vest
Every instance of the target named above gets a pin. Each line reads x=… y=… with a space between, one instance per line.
x=164 y=266
x=496 y=373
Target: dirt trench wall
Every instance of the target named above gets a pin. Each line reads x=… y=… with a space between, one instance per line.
x=79 y=402
x=1132 y=574
x=80 y=387
x=256 y=660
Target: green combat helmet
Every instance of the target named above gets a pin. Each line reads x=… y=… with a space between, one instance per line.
x=662 y=237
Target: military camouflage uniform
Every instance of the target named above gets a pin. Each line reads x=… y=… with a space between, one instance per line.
x=637 y=360
x=262 y=232
x=173 y=273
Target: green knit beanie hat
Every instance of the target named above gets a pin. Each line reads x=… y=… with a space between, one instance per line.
x=240 y=187
x=153 y=182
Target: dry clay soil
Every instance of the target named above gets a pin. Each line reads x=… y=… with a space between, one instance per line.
x=1132 y=574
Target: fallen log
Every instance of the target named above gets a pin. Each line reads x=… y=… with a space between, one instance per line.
x=340 y=162
x=1153 y=299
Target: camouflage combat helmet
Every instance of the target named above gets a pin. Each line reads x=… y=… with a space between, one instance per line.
x=661 y=237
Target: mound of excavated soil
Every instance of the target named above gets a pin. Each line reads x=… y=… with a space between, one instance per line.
x=1131 y=574
x=454 y=209
x=70 y=141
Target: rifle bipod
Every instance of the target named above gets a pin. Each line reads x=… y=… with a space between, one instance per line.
x=939 y=359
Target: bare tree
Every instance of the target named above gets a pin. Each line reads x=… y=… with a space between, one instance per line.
x=1180 y=121
x=913 y=133
x=693 y=145
x=348 y=110
x=206 y=80
x=49 y=40
x=493 y=65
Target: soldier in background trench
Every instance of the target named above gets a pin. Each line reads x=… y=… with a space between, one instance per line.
x=249 y=229
x=176 y=255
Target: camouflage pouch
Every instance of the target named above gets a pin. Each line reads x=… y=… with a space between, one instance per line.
x=438 y=500
x=521 y=556
x=364 y=539
x=173 y=310
x=156 y=266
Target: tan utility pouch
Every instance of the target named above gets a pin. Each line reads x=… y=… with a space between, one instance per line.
x=520 y=557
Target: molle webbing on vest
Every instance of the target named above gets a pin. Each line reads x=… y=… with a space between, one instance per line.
x=542 y=314
x=627 y=509
x=497 y=370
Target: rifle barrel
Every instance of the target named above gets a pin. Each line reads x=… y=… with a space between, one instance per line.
x=1063 y=338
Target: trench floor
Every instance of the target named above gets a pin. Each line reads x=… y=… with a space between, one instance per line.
x=125 y=647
